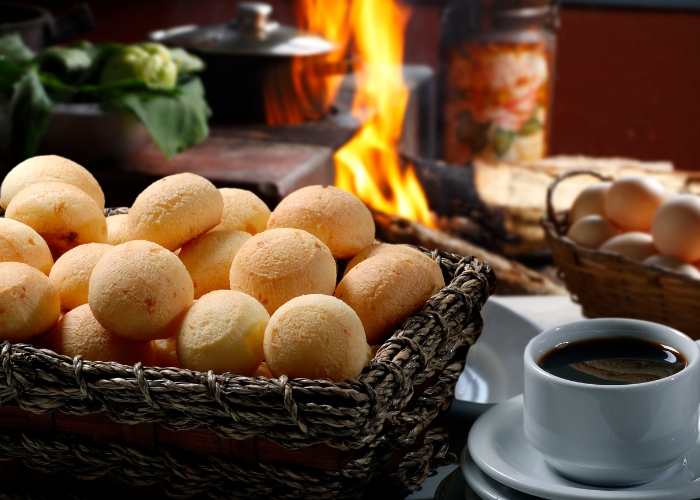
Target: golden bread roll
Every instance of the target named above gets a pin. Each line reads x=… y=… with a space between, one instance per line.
x=423 y=259
x=29 y=304
x=79 y=334
x=61 y=213
x=384 y=290
x=165 y=352
x=337 y=218
x=139 y=291
x=279 y=264
x=223 y=332
x=243 y=211
x=174 y=210
x=70 y=274
x=117 y=229
x=21 y=243
x=208 y=259
x=316 y=336
x=49 y=168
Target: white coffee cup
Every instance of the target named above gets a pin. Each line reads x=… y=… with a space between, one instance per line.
x=612 y=435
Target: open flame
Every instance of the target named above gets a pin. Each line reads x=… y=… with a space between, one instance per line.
x=369 y=165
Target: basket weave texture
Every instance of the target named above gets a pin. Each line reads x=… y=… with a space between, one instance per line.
x=609 y=285
x=382 y=421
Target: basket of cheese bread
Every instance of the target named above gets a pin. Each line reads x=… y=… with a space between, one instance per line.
x=199 y=344
x=629 y=248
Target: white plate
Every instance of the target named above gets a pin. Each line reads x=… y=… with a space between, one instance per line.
x=498 y=446
x=494 y=369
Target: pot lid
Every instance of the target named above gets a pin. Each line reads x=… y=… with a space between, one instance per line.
x=252 y=33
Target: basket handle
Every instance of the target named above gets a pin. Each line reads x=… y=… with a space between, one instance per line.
x=550 y=191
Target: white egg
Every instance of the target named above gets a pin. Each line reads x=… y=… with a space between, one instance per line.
x=631 y=202
x=590 y=201
x=676 y=227
x=634 y=245
x=591 y=231
x=674 y=264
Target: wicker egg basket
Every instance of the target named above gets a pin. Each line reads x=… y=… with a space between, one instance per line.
x=609 y=285
x=163 y=431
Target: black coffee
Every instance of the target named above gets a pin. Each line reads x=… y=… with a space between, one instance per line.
x=612 y=361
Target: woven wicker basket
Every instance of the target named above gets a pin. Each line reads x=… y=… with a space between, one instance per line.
x=609 y=285
x=158 y=431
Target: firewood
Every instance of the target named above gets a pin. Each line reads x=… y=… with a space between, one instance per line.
x=513 y=277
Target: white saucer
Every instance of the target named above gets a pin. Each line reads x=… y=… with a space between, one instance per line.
x=494 y=368
x=498 y=446
x=486 y=487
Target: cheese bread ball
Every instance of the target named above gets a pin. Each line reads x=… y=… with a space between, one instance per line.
x=139 y=291
x=70 y=274
x=334 y=216
x=61 y=213
x=117 y=229
x=384 y=290
x=316 y=336
x=243 y=211
x=423 y=259
x=223 y=332
x=79 y=334
x=29 y=304
x=174 y=210
x=21 y=243
x=208 y=259
x=279 y=264
x=49 y=168
x=165 y=352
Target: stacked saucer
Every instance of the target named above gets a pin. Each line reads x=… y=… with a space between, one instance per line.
x=499 y=463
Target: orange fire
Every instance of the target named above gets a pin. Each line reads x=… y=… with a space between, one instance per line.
x=369 y=165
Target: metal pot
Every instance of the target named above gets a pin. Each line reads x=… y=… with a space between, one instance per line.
x=38 y=28
x=258 y=71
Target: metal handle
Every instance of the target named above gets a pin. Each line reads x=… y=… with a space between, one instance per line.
x=253 y=16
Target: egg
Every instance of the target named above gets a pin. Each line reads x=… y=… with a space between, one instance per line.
x=673 y=264
x=591 y=231
x=631 y=202
x=676 y=227
x=634 y=245
x=590 y=201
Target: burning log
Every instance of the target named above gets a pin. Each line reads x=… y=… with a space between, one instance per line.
x=513 y=277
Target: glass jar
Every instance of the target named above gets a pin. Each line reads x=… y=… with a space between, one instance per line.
x=496 y=72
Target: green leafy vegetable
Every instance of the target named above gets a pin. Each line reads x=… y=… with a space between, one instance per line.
x=30 y=111
x=9 y=74
x=12 y=49
x=175 y=122
x=149 y=62
x=186 y=62
x=148 y=80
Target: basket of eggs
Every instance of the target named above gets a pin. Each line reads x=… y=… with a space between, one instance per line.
x=198 y=344
x=628 y=248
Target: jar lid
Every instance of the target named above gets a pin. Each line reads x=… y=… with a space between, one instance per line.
x=251 y=33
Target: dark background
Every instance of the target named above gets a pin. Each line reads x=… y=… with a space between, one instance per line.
x=627 y=79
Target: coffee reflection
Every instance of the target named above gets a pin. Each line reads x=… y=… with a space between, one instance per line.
x=613 y=361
